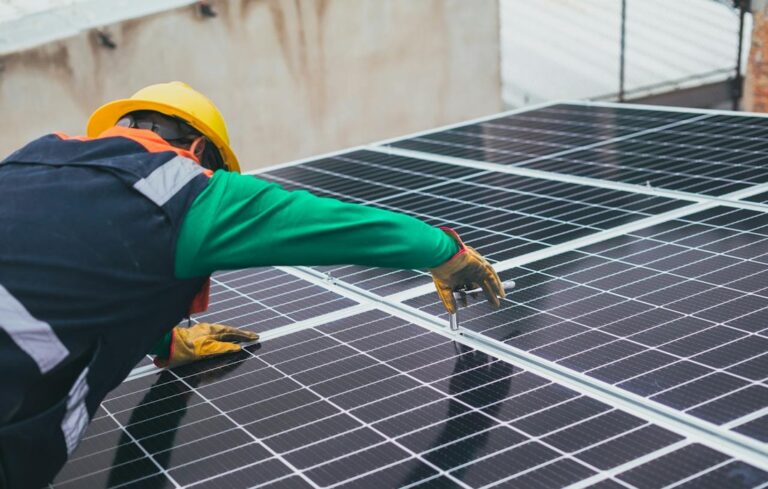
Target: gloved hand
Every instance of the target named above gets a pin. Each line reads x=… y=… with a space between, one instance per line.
x=466 y=268
x=203 y=340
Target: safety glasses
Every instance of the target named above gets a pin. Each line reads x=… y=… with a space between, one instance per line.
x=178 y=133
x=168 y=128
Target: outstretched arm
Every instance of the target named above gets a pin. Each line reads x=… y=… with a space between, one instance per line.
x=240 y=221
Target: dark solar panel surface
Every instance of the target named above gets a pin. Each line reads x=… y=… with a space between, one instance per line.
x=260 y=299
x=709 y=154
x=759 y=198
x=370 y=401
x=266 y=298
x=677 y=313
x=520 y=137
x=501 y=215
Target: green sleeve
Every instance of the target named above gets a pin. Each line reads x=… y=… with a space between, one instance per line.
x=240 y=221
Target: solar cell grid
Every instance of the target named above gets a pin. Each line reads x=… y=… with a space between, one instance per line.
x=262 y=299
x=677 y=313
x=538 y=133
x=288 y=410
x=707 y=154
x=266 y=298
x=501 y=215
x=713 y=165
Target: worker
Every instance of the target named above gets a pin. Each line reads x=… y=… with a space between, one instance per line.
x=107 y=241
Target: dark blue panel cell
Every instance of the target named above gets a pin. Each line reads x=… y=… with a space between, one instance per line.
x=630 y=446
x=356 y=464
x=754 y=369
x=403 y=474
x=115 y=456
x=669 y=332
x=607 y=484
x=530 y=402
x=422 y=416
x=259 y=473
x=665 y=378
x=737 y=475
x=312 y=432
x=290 y=418
x=292 y=482
x=632 y=366
x=593 y=431
x=453 y=429
x=374 y=391
x=560 y=473
x=219 y=464
x=557 y=417
x=399 y=403
x=698 y=391
x=119 y=474
x=349 y=442
x=505 y=464
x=733 y=406
x=734 y=352
x=602 y=355
x=757 y=428
x=641 y=322
x=491 y=394
x=462 y=452
x=673 y=467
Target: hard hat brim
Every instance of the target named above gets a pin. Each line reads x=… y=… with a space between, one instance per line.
x=108 y=114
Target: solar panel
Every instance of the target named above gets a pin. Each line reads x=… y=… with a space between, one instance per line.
x=502 y=215
x=677 y=312
x=699 y=153
x=366 y=400
x=267 y=298
x=633 y=353
x=540 y=133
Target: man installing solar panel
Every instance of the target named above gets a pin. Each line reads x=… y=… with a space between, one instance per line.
x=109 y=240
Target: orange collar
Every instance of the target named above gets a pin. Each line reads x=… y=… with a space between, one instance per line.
x=148 y=139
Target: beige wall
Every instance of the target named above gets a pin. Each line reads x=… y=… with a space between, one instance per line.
x=293 y=78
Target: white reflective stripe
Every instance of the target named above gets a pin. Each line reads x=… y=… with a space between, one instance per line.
x=35 y=337
x=163 y=183
x=76 y=418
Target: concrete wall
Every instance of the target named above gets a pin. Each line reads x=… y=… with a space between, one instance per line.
x=293 y=78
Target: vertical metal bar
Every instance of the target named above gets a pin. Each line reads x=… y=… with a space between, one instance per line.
x=738 y=82
x=623 y=44
x=453 y=320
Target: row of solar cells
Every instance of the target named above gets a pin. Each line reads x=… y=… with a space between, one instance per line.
x=372 y=400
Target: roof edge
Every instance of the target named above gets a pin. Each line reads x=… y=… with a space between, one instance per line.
x=40 y=28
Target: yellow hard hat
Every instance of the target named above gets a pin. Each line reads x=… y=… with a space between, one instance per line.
x=173 y=99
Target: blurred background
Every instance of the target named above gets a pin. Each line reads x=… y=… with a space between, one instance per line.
x=295 y=78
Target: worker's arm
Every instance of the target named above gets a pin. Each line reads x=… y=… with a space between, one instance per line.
x=240 y=221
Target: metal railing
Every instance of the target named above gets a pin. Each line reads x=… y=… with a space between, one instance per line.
x=736 y=81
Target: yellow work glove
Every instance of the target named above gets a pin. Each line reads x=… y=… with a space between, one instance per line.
x=467 y=268
x=203 y=340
